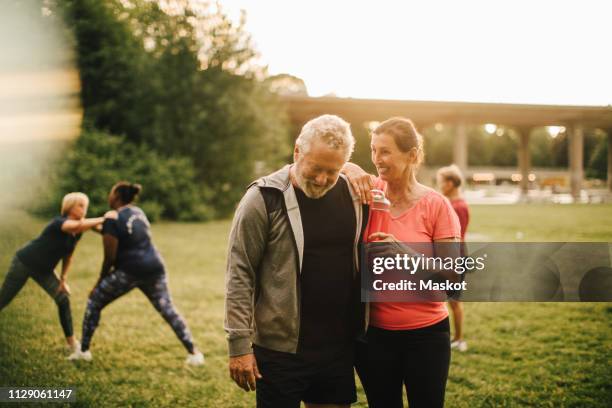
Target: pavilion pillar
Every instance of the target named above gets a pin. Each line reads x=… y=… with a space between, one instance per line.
x=524 y=159
x=576 y=153
x=460 y=147
x=610 y=160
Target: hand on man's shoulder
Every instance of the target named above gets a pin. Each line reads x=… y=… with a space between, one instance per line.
x=112 y=214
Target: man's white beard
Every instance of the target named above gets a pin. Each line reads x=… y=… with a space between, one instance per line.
x=310 y=190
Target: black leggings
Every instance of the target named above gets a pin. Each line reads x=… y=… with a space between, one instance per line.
x=17 y=276
x=418 y=359
x=117 y=284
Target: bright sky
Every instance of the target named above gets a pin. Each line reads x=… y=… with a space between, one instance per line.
x=538 y=51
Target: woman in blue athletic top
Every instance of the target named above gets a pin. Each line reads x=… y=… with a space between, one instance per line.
x=39 y=257
x=131 y=261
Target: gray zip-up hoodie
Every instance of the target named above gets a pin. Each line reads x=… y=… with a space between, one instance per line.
x=266 y=247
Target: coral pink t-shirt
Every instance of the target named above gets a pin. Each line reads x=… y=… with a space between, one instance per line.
x=431 y=218
x=463 y=212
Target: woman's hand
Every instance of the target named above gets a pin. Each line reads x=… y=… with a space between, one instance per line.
x=382 y=237
x=111 y=214
x=382 y=245
x=392 y=248
x=361 y=181
x=63 y=287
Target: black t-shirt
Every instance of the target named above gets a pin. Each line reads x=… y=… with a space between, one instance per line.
x=327 y=279
x=43 y=253
x=136 y=254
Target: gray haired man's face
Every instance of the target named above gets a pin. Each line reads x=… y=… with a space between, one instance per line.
x=317 y=170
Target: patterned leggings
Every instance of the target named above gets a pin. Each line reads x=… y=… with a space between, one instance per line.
x=119 y=283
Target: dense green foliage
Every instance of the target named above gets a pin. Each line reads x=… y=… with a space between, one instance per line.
x=180 y=84
x=98 y=160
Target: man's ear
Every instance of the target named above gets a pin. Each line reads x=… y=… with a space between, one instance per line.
x=296 y=153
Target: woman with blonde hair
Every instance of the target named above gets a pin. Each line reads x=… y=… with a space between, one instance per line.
x=39 y=257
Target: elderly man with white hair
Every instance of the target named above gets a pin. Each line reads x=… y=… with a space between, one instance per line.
x=293 y=308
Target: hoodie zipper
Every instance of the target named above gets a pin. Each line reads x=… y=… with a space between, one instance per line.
x=297 y=276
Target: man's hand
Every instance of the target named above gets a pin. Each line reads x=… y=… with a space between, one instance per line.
x=243 y=370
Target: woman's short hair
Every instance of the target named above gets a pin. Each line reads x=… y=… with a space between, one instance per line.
x=404 y=133
x=451 y=173
x=334 y=131
x=126 y=191
x=72 y=199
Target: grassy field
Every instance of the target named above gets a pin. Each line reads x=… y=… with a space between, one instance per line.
x=530 y=354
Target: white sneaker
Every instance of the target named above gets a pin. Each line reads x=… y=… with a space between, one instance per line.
x=76 y=346
x=460 y=345
x=80 y=355
x=196 y=359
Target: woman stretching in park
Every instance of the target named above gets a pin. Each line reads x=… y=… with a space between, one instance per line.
x=406 y=344
x=39 y=257
x=131 y=261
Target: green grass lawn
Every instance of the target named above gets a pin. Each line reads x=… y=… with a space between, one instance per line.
x=521 y=354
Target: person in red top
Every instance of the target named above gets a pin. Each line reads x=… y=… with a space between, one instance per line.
x=406 y=344
x=449 y=180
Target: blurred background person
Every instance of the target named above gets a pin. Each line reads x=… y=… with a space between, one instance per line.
x=449 y=180
x=131 y=261
x=39 y=257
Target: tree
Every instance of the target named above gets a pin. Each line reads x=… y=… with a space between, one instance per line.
x=182 y=81
x=597 y=160
x=286 y=85
x=97 y=160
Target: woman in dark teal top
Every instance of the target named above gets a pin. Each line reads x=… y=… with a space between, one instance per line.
x=39 y=257
x=131 y=261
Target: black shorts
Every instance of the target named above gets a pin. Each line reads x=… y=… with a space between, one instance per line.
x=321 y=377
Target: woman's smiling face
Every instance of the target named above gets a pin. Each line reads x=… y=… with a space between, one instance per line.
x=391 y=163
